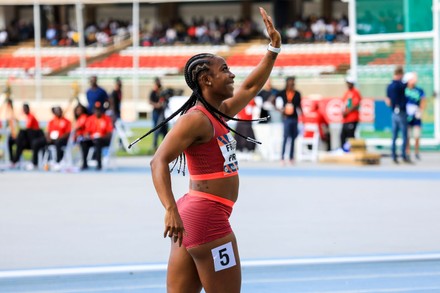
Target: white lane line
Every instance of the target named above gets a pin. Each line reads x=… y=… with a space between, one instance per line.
x=415 y=289
x=245 y=264
x=335 y=278
x=82 y=271
x=344 y=260
x=105 y=289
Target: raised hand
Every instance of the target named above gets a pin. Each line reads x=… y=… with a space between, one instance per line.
x=274 y=35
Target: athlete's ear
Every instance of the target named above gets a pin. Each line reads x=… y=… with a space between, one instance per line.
x=206 y=80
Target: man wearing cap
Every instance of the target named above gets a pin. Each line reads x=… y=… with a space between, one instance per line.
x=98 y=134
x=58 y=131
x=350 y=113
x=95 y=94
x=415 y=104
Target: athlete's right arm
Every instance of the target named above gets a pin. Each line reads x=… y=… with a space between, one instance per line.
x=192 y=128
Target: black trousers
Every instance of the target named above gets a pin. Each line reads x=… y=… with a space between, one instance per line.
x=23 y=141
x=41 y=143
x=348 y=130
x=98 y=144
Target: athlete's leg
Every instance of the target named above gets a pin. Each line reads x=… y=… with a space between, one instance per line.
x=182 y=273
x=224 y=274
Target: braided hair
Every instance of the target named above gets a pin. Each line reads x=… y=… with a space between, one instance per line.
x=194 y=67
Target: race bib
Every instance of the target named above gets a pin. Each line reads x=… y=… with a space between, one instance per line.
x=228 y=145
x=223 y=256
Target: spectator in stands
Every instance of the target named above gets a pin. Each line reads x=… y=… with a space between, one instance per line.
x=3 y=37
x=159 y=103
x=52 y=35
x=115 y=100
x=25 y=29
x=396 y=100
x=96 y=94
x=350 y=113
x=80 y=114
x=27 y=136
x=245 y=128
x=98 y=134
x=416 y=102
x=57 y=134
x=289 y=103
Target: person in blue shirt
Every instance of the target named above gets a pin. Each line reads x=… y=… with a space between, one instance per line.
x=396 y=100
x=95 y=94
x=415 y=104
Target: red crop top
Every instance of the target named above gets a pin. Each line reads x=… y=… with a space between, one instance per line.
x=216 y=158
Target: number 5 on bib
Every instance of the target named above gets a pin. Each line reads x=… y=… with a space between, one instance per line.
x=223 y=257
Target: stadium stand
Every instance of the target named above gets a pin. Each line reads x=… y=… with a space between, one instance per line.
x=153 y=61
x=296 y=59
x=21 y=62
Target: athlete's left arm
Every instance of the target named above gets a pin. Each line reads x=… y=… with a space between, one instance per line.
x=256 y=80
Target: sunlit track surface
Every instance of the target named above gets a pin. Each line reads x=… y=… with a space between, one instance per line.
x=384 y=273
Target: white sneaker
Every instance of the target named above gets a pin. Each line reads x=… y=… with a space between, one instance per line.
x=56 y=167
x=30 y=167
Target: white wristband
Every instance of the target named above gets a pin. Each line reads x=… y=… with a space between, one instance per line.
x=273 y=49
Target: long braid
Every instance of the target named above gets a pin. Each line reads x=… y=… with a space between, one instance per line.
x=188 y=104
x=211 y=109
x=194 y=67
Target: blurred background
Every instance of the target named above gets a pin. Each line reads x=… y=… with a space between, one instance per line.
x=48 y=49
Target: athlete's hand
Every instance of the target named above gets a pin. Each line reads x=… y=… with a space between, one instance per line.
x=274 y=35
x=174 y=226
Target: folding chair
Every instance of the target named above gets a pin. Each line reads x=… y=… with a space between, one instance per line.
x=308 y=143
x=4 y=140
x=124 y=133
x=108 y=154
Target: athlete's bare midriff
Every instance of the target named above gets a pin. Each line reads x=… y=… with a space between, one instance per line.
x=223 y=187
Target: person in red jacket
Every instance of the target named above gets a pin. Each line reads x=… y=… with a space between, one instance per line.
x=352 y=101
x=26 y=136
x=57 y=133
x=98 y=134
x=80 y=114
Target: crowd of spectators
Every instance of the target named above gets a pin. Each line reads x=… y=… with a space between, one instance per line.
x=199 y=31
x=229 y=31
x=316 y=29
x=17 y=31
x=102 y=34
